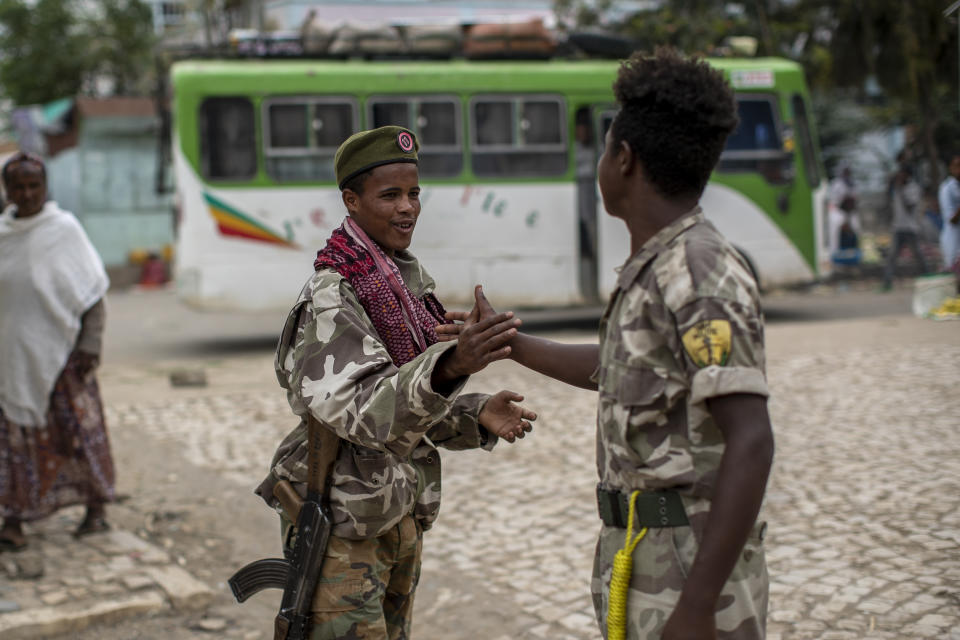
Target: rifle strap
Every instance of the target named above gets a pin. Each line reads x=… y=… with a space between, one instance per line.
x=322 y=448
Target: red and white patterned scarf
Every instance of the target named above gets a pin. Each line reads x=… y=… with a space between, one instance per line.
x=406 y=324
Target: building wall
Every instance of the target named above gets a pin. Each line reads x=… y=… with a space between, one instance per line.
x=108 y=181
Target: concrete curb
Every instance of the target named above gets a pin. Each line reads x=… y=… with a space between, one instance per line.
x=60 y=585
x=45 y=621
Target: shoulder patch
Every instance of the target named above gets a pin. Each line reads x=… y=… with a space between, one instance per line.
x=708 y=342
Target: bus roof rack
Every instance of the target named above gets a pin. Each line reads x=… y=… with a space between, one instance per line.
x=494 y=41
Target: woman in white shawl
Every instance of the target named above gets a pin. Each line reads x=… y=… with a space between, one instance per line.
x=54 y=450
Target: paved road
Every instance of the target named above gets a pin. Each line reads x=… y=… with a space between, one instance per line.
x=863 y=506
x=151 y=325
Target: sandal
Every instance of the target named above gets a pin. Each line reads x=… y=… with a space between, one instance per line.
x=89 y=526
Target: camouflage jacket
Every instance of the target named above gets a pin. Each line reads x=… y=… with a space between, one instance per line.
x=684 y=325
x=390 y=421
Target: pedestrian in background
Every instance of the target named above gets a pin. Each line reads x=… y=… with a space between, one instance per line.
x=684 y=439
x=905 y=202
x=54 y=450
x=843 y=220
x=949 y=197
x=360 y=355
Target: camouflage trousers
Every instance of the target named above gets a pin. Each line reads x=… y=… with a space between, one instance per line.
x=366 y=587
x=661 y=562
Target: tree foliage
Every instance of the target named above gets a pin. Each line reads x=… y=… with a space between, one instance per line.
x=52 y=49
x=44 y=52
x=125 y=44
x=897 y=59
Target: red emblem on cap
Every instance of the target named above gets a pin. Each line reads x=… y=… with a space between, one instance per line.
x=405 y=142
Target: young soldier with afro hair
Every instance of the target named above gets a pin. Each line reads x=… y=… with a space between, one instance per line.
x=684 y=439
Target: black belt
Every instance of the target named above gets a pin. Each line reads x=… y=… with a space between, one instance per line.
x=662 y=508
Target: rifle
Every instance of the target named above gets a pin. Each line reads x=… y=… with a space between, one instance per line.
x=298 y=575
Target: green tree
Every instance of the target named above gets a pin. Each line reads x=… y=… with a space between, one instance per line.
x=45 y=52
x=49 y=50
x=910 y=50
x=906 y=49
x=124 y=44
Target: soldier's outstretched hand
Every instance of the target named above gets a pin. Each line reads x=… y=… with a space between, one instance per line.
x=503 y=417
x=482 y=337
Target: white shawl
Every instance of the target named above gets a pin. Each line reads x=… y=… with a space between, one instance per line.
x=50 y=275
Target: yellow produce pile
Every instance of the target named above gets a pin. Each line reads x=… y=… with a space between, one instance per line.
x=949 y=309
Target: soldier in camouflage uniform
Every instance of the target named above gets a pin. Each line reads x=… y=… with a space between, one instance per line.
x=359 y=354
x=682 y=415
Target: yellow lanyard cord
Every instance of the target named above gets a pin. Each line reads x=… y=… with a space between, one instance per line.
x=620 y=579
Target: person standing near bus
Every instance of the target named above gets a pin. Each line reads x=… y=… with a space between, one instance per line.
x=685 y=444
x=843 y=221
x=360 y=355
x=949 y=197
x=905 y=200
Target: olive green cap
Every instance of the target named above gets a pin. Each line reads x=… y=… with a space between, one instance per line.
x=365 y=150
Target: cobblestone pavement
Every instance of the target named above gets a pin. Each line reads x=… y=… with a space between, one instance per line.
x=864 y=524
x=60 y=585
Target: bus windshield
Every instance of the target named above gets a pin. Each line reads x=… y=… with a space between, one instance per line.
x=757 y=145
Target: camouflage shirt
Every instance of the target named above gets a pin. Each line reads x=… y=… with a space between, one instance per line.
x=333 y=365
x=684 y=325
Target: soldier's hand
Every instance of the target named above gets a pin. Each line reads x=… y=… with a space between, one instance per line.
x=483 y=337
x=501 y=416
x=451 y=331
x=690 y=624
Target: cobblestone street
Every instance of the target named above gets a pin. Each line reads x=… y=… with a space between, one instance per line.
x=863 y=505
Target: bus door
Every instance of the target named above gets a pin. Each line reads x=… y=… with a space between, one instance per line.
x=590 y=127
x=613 y=240
x=585 y=145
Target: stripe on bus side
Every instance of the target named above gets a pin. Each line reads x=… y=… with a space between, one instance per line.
x=231 y=222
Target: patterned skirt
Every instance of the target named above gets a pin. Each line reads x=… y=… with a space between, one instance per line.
x=63 y=463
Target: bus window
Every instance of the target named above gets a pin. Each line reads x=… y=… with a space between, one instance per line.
x=435 y=120
x=384 y=113
x=227 y=139
x=519 y=136
x=756 y=144
x=540 y=123
x=302 y=135
x=806 y=140
x=288 y=125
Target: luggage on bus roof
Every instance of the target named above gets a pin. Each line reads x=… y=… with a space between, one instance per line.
x=437 y=40
x=367 y=41
x=605 y=45
x=509 y=40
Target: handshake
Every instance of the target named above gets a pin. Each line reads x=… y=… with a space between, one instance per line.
x=483 y=336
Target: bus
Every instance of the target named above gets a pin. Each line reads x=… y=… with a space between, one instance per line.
x=507 y=168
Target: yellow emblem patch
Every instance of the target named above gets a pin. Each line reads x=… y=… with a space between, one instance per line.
x=708 y=342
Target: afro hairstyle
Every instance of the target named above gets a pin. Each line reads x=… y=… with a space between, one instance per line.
x=675 y=114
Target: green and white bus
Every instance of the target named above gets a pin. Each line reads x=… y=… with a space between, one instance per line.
x=507 y=165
